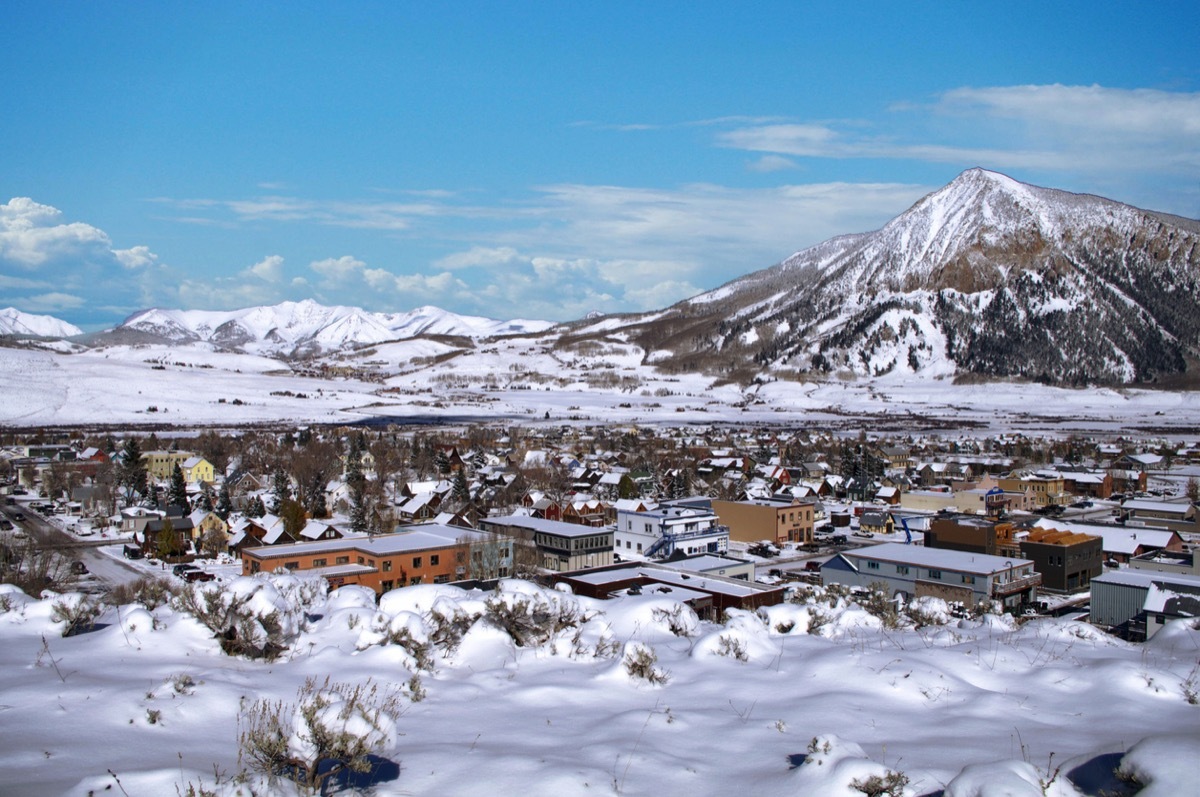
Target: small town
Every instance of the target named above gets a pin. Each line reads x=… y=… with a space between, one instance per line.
x=720 y=518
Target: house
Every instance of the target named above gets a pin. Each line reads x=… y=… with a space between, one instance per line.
x=423 y=506
x=250 y=532
x=956 y=576
x=590 y=512
x=779 y=521
x=560 y=546
x=1121 y=544
x=197 y=470
x=411 y=555
x=877 y=522
x=1157 y=513
x=204 y=521
x=1048 y=488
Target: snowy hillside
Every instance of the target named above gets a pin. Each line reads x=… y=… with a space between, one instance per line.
x=15 y=322
x=986 y=276
x=533 y=691
x=304 y=327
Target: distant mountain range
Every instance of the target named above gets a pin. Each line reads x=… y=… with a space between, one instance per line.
x=986 y=276
x=15 y=322
x=299 y=328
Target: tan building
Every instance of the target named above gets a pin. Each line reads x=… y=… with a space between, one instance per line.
x=779 y=522
x=161 y=464
x=1046 y=489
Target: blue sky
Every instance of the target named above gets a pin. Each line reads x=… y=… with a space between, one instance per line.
x=542 y=160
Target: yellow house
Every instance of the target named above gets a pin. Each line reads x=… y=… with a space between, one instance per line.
x=197 y=469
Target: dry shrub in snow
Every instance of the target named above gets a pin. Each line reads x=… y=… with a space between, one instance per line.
x=149 y=591
x=76 y=611
x=253 y=616
x=640 y=661
x=532 y=617
x=332 y=729
x=835 y=766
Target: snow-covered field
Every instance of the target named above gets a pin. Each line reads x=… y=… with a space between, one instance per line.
x=510 y=380
x=148 y=703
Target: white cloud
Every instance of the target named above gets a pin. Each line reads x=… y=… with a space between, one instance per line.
x=1050 y=127
x=771 y=163
x=269 y=269
x=136 y=257
x=339 y=269
x=52 y=302
x=479 y=256
x=31 y=235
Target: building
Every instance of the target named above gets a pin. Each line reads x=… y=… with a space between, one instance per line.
x=956 y=576
x=778 y=521
x=197 y=470
x=411 y=555
x=1137 y=603
x=709 y=595
x=1048 y=489
x=161 y=464
x=560 y=546
x=669 y=528
x=1067 y=560
x=707 y=564
x=963 y=533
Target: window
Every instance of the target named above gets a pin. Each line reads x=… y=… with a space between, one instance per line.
x=433 y=560
x=387 y=586
x=387 y=565
x=443 y=579
x=968 y=579
x=320 y=562
x=902 y=570
x=360 y=560
x=935 y=574
x=342 y=560
x=460 y=557
x=414 y=580
x=416 y=561
x=872 y=565
x=292 y=565
x=254 y=567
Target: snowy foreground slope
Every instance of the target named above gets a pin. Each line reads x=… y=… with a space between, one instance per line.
x=797 y=699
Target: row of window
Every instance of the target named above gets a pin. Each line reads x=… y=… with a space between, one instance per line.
x=933 y=575
x=434 y=561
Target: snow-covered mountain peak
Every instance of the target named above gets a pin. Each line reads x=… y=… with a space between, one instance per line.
x=16 y=322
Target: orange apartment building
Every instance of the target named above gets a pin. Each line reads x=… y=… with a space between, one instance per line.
x=425 y=554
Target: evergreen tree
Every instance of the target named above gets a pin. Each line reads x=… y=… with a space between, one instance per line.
x=206 y=501
x=357 y=482
x=293 y=516
x=255 y=508
x=462 y=490
x=133 y=471
x=281 y=490
x=177 y=495
x=315 y=497
x=224 y=506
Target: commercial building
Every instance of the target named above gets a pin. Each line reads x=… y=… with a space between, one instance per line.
x=915 y=571
x=777 y=521
x=412 y=555
x=560 y=546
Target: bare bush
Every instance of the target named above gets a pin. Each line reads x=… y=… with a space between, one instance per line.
x=331 y=730
x=892 y=784
x=77 y=612
x=149 y=591
x=532 y=620
x=641 y=662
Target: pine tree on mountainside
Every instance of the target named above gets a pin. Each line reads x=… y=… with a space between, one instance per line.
x=281 y=489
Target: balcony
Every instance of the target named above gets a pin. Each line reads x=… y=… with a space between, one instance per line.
x=1015 y=585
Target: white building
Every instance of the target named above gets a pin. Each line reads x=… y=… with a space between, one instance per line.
x=661 y=531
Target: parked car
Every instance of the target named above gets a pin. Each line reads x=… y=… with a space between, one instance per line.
x=79 y=568
x=132 y=552
x=18 y=516
x=182 y=569
x=812 y=566
x=6 y=524
x=196 y=574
